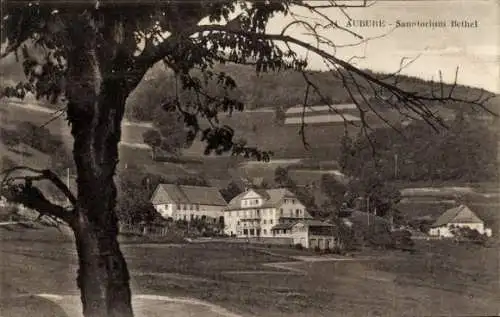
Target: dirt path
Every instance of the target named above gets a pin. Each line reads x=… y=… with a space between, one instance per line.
x=146 y=306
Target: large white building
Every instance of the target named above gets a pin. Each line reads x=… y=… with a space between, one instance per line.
x=255 y=213
x=181 y=202
x=457 y=217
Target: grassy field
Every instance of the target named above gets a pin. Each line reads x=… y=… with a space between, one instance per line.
x=440 y=279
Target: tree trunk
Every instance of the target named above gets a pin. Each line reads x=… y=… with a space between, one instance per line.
x=103 y=276
x=97 y=90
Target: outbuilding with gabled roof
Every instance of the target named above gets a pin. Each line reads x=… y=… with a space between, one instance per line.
x=457 y=217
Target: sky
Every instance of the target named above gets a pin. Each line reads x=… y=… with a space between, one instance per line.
x=474 y=50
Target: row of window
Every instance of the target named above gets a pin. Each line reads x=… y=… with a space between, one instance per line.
x=256 y=213
x=253 y=232
x=247 y=223
x=251 y=202
x=257 y=232
x=197 y=217
x=188 y=207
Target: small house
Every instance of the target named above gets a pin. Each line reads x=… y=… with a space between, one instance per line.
x=314 y=234
x=457 y=217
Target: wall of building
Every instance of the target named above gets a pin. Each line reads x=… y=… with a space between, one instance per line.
x=323 y=242
x=302 y=235
x=262 y=219
x=446 y=230
x=256 y=218
x=188 y=212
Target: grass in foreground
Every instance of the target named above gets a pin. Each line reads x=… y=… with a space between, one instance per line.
x=440 y=279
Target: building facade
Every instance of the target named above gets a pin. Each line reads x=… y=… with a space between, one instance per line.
x=180 y=202
x=255 y=213
x=457 y=217
x=312 y=234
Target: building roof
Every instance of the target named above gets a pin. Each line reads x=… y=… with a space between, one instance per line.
x=183 y=194
x=281 y=226
x=272 y=198
x=460 y=214
x=314 y=223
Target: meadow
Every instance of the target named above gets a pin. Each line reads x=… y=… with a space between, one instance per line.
x=440 y=279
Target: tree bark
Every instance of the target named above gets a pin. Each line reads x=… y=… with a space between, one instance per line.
x=103 y=276
x=97 y=89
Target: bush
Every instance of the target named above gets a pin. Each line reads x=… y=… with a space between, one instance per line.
x=401 y=239
x=317 y=249
x=298 y=246
x=471 y=235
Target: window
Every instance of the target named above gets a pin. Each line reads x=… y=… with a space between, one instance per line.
x=281 y=211
x=178 y=206
x=244 y=202
x=297 y=213
x=198 y=207
x=271 y=221
x=293 y=201
x=264 y=221
x=264 y=231
x=191 y=207
x=184 y=207
x=245 y=231
x=258 y=213
x=286 y=201
x=256 y=201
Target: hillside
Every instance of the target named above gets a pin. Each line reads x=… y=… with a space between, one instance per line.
x=274 y=89
x=259 y=127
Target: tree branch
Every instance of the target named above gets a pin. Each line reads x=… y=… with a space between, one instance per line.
x=414 y=101
x=42 y=175
x=33 y=198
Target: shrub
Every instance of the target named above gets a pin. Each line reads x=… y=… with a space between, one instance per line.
x=317 y=249
x=337 y=250
x=298 y=246
x=401 y=239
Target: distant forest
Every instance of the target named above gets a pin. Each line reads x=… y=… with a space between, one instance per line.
x=467 y=152
x=273 y=89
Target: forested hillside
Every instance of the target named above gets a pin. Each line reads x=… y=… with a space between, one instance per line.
x=273 y=89
x=465 y=152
